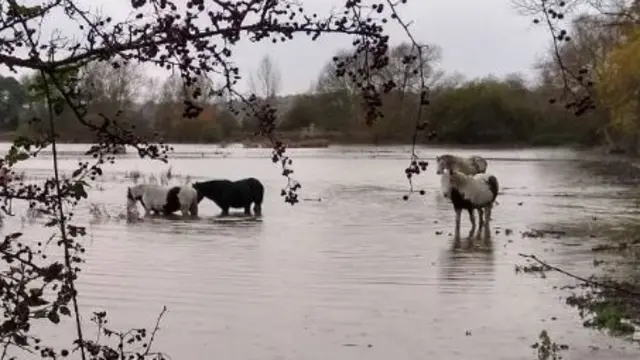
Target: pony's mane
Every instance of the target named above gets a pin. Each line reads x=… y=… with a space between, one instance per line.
x=445 y=161
x=468 y=166
x=456 y=178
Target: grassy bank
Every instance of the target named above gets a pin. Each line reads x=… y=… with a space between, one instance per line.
x=609 y=298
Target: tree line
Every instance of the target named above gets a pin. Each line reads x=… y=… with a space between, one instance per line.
x=489 y=110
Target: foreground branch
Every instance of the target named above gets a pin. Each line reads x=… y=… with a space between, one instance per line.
x=580 y=278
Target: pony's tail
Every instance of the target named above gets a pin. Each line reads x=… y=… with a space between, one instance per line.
x=492 y=181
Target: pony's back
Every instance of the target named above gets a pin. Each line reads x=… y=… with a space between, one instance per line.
x=479 y=189
x=479 y=163
x=467 y=165
x=153 y=196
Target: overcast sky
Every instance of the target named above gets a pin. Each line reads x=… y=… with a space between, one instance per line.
x=478 y=38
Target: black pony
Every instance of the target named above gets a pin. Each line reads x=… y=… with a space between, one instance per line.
x=233 y=194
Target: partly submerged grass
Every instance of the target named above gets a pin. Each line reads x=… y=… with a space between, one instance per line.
x=607 y=304
x=605 y=309
x=164 y=178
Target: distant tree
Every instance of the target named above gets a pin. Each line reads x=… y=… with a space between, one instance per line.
x=13 y=97
x=403 y=76
x=583 y=33
x=266 y=81
x=619 y=86
x=302 y=113
x=195 y=39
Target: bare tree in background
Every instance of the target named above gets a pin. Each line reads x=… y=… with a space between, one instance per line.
x=194 y=38
x=112 y=88
x=267 y=80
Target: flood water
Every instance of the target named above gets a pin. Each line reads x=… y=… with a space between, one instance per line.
x=357 y=274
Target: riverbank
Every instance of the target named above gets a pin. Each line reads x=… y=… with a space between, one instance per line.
x=323 y=139
x=610 y=299
x=607 y=298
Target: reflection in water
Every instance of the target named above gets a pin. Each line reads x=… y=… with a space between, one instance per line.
x=467 y=265
x=358 y=275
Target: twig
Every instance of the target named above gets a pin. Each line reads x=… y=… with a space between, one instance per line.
x=422 y=99
x=577 y=277
x=58 y=195
x=63 y=231
x=581 y=104
x=155 y=330
x=5 y=347
x=556 y=49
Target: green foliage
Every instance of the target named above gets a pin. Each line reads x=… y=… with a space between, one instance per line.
x=548 y=349
x=226 y=123
x=13 y=97
x=481 y=111
x=486 y=111
x=26 y=11
x=303 y=113
x=38 y=86
x=619 y=84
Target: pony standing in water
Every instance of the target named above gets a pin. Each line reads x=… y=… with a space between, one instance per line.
x=164 y=200
x=233 y=194
x=470 y=165
x=469 y=192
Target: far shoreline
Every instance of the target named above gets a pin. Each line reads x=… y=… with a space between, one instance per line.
x=301 y=140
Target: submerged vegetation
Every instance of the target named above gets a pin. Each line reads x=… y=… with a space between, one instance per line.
x=609 y=299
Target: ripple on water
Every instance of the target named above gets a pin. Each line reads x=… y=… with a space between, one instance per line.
x=326 y=279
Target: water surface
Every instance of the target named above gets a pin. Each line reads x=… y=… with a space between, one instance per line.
x=359 y=274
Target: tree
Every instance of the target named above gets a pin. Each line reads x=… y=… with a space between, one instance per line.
x=177 y=124
x=13 y=97
x=619 y=85
x=190 y=38
x=302 y=113
x=403 y=76
x=578 y=48
x=265 y=83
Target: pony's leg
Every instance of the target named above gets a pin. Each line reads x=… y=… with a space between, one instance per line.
x=184 y=209
x=193 y=209
x=487 y=229
x=481 y=222
x=225 y=211
x=457 y=230
x=472 y=218
x=247 y=210
x=257 y=209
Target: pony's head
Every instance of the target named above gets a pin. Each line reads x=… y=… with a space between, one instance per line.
x=198 y=186
x=445 y=162
x=134 y=193
x=456 y=179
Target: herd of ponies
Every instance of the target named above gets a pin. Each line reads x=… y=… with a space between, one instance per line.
x=464 y=181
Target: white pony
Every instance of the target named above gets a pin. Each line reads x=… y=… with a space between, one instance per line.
x=469 y=192
x=164 y=200
x=471 y=165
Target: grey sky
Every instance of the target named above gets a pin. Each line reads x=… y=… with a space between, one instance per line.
x=478 y=38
